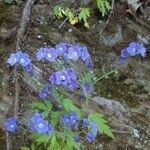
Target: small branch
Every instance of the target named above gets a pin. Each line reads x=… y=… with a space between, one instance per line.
x=8 y=142
x=20 y=36
x=62 y=24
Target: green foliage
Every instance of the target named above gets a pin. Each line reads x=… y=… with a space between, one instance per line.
x=24 y=148
x=101 y=123
x=84 y=14
x=70 y=107
x=103 y=6
x=40 y=138
x=44 y=106
x=59 y=11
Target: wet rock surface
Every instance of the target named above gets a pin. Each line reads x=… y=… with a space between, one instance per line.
x=127 y=94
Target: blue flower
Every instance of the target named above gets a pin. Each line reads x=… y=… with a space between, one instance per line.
x=66 y=77
x=11 y=124
x=12 y=60
x=73 y=52
x=133 y=49
x=77 y=139
x=94 y=128
x=90 y=137
x=136 y=49
x=71 y=120
x=45 y=92
x=24 y=59
x=89 y=64
x=19 y=57
x=39 y=125
x=84 y=53
x=87 y=87
x=61 y=48
x=85 y=123
x=41 y=53
x=124 y=53
x=51 y=54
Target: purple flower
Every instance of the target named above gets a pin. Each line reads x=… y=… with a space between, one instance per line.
x=73 y=52
x=45 y=92
x=136 y=49
x=12 y=60
x=77 y=139
x=19 y=57
x=61 y=48
x=94 y=128
x=71 y=120
x=84 y=53
x=59 y=78
x=51 y=54
x=64 y=120
x=85 y=123
x=133 y=49
x=89 y=64
x=41 y=53
x=39 y=125
x=11 y=124
x=87 y=87
x=24 y=59
x=67 y=78
x=90 y=137
x=71 y=73
x=124 y=53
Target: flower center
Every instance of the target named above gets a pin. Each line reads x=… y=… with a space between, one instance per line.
x=62 y=78
x=41 y=125
x=22 y=60
x=12 y=126
x=49 y=55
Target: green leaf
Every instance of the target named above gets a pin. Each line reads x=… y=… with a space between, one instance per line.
x=33 y=147
x=101 y=123
x=55 y=118
x=84 y=14
x=43 y=139
x=69 y=106
x=103 y=6
x=53 y=141
x=43 y=105
x=48 y=104
x=24 y=148
x=45 y=114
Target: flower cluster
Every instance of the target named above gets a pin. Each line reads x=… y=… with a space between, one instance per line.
x=67 y=78
x=39 y=125
x=91 y=125
x=11 y=124
x=133 y=49
x=70 y=120
x=48 y=54
x=72 y=52
x=22 y=59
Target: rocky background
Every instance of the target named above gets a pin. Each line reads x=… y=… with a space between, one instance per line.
x=124 y=98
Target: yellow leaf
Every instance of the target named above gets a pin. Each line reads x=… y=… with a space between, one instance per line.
x=86 y=25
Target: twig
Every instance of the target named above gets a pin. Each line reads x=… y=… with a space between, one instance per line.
x=62 y=24
x=20 y=36
x=8 y=142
